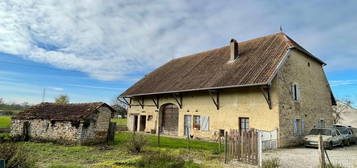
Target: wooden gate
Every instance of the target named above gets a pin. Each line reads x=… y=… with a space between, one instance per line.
x=242 y=146
x=169 y=123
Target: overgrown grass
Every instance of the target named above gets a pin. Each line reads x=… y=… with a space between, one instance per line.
x=173 y=143
x=55 y=156
x=5 y=121
x=271 y=163
x=120 y=121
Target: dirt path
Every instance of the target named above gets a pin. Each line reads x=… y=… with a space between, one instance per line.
x=308 y=157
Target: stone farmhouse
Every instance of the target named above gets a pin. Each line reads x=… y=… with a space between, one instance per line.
x=83 y=123
x=268 y=83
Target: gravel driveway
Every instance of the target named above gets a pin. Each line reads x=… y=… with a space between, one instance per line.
x=308 y=157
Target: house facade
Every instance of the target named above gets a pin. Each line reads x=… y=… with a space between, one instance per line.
x=84 y=123
x=268 y=83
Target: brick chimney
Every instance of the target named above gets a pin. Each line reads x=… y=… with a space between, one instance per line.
x=234 y=50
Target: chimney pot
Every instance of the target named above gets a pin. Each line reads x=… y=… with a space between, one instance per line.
x=234 y=50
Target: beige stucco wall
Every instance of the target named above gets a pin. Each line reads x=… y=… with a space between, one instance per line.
x=234 y=103
x=315 y=101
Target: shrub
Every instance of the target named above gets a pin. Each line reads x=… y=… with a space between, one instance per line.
x=164 y=160
x=135 y=143
x=271 y=163
x=5 y=137
x=15 y=156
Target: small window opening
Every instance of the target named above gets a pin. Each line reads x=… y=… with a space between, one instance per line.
x=295 y=92
x=308 y=64
x=243 y=124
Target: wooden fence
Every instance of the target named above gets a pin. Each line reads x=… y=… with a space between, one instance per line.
x=242 y=146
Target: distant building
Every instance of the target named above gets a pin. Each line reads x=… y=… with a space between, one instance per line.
x=64 y=123
x=268 y=83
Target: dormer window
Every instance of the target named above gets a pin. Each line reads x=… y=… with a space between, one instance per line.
x=295 y=92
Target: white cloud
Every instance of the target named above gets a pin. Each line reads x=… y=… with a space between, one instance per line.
x=343 y=82
x=57 y=89
x=114 y=39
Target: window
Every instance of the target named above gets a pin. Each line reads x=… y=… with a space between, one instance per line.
x=243 y=124
x=295 y=91
x=298 y=126
x=321 y=124
x=196 y=122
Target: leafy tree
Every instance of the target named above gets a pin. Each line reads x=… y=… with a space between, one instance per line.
x=62 y=99
x=342 y=106
x=120 y=107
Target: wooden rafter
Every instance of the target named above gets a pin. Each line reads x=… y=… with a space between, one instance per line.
x=266 y=94
x=178 y=99
x=214 y=94
x=156 y=101
x=141 y=102
x=125 y=101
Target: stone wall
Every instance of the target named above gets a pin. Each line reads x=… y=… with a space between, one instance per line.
x=315 y=100
x=91 y=130
x=60 y=131
x=97 y=131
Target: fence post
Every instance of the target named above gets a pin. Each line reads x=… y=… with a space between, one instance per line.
x=321 y=152
x=260 y=149
x=226 y=147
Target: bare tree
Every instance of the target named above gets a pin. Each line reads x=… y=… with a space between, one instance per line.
x=62 y=99
x=120 y=107
x=341 y=107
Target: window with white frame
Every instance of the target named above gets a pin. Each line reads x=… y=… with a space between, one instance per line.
x=201 y=122
x=295 y=90
x=298 y=127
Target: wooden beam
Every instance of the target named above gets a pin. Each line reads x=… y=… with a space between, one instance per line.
x=141 y=102
x=214 y=94
x=125 y=101
x=178 y=99
x=266 y=94
x=156 y=101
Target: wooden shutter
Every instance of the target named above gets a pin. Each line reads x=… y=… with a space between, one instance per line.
x=295 y=127
x=204 y=122
x=302 y=127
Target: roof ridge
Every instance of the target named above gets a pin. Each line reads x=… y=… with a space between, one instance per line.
x=214 y=49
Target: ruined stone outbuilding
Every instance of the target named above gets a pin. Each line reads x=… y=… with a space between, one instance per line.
x=84 y=123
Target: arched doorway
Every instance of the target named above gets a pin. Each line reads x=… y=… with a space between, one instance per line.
x=169 y=119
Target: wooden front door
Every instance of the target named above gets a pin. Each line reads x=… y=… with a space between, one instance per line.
x=169 y=123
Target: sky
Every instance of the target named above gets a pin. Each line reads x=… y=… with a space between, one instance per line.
x=92 y=50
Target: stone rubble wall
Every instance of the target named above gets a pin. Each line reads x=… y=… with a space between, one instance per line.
x=61 y=131
x=98 y=129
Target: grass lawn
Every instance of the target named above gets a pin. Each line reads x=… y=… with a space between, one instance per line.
x=100 y=156
x=5 y=121
x=120 y=121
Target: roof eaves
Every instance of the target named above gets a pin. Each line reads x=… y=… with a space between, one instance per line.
x=192 y=90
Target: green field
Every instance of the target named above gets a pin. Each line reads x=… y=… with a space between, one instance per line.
x=5 y=121
x=113 y=156
x=120 y=121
